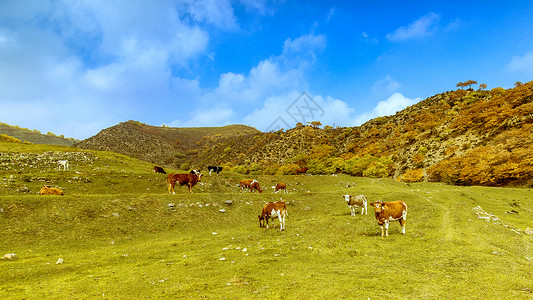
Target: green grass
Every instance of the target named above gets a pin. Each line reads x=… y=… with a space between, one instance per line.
x=119 y=238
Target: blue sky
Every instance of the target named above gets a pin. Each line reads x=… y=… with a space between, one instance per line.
x=77 y=67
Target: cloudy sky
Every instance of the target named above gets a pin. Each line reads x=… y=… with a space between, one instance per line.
x=77 y=67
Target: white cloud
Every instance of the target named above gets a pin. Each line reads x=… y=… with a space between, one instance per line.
x=420 y=28
x=521 y=64
x=386 y=86
x=284 y=111
x=217 y=116
x=396 y=102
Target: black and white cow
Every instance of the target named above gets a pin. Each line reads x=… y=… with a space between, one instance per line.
x=216 y=169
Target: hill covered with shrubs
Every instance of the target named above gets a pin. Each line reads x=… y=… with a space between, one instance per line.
x=463 y=137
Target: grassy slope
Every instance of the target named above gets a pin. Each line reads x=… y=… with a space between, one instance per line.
x=118 y=237
x=33 y=137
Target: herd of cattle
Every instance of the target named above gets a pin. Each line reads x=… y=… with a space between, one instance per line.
x=383 y=211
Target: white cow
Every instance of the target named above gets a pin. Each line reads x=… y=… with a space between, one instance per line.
x=62 y=164
x=356 y=202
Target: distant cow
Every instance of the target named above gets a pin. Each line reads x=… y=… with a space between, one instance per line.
x=272 y=210
x=355 y=202
x=301 y=170
x=390 y=211
x=216 y=169
x=281 y=186
x=252 y=184
x=62 y=164
x=47 y=190
x=159 y=170
x=189 y=179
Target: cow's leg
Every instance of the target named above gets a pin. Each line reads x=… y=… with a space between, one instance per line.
x=281 y=222
x=386 y=228
x=266 y=220
x=382 y=232
x=402 y=223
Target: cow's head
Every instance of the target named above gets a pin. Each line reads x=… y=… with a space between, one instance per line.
x=347 y=198
x=261 y=221
x=378 y=205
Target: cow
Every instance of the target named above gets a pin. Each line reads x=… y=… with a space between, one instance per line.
x=281 y=186
x=189 y=179
x=355 y=202
x=62 y=164
x=159 y=170
x=390 y=211
x=216 y=169
x=252 y=184
x=301 y=170
x=272 y=210
x=47 y=190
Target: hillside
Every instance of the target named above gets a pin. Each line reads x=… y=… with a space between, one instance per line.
x=161 y=145
x=34 y=136
x=463 y=137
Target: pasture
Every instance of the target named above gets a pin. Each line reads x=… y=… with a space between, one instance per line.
x=121 y=235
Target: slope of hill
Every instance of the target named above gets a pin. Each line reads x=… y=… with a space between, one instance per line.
x=462 y=137
x=161 y=145
x=34 y=136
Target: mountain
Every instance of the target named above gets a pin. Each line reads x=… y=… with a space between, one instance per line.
x=161 y=145
x=34 y=136
x=462 y=137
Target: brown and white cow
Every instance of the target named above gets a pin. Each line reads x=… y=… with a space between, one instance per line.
x=252 y=184
x=47 y=190
x=390 y=211
x=189 y=179
x=158 y=169
x=301 y=170
x=355 y=202
x=273 y=210
x=281 y=186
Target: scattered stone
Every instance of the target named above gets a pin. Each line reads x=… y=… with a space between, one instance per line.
x=229 y=202
x=222 y=210
x=60 y=261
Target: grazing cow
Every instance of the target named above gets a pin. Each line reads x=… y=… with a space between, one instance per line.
x=281 y=186
x=189 y=179
x=159 y=170
x=356 y=202
x=216 y=169
x=47 y=190
x=301 y=170
x=62 y=164
x=252 y=184
x=390 y=211
x=272 y=210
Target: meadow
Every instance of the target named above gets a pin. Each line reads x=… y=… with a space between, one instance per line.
x=122 y=236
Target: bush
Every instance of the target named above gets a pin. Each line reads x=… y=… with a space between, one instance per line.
x=412 y=176
x=240 y=169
